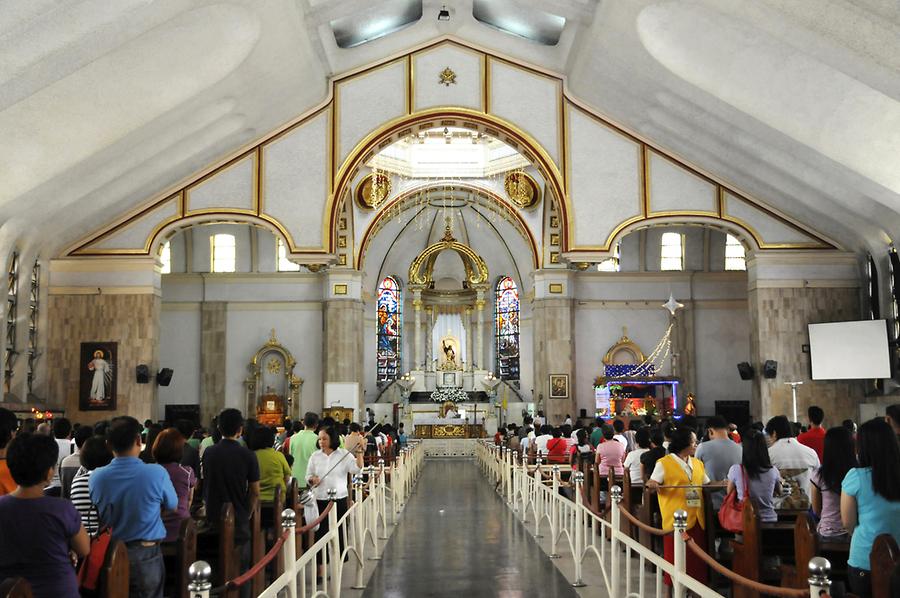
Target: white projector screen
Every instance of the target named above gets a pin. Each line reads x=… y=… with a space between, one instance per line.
x=849 y=350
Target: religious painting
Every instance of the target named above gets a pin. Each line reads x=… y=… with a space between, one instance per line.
x=559 y=386
x=388 y=320
x=97 y=388
x=507 y=328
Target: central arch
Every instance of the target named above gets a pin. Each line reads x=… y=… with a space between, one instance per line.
x=403 y=126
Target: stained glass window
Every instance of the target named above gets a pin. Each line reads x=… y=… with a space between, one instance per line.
x=507 y=329
x=389 y=319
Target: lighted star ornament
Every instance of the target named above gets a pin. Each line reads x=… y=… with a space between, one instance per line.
x=672 y=305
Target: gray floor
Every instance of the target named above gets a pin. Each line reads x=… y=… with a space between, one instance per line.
x=457 y=538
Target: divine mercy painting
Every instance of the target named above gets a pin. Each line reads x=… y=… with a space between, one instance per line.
x=97 y=389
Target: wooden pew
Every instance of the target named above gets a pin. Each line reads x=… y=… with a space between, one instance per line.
x=806 y=546
x=114 y=575
x=218 y=548
x=15 y=587
x=277 y=506
x=257 y=545
x=747 y=560
x=884 y=559
x=178 y=556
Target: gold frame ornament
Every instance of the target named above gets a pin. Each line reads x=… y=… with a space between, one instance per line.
x=447 y=76
x=626 y=345
x=521 y=188
x=372 y=190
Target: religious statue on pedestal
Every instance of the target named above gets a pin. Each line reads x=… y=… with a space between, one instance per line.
x=449 y=354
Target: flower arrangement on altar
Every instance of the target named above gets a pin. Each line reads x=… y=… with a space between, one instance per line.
x=449 y=393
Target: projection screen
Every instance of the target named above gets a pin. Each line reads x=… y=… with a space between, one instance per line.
x=849 y=350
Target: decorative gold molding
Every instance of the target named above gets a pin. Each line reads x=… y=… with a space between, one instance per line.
x=555 y=288
x=421 y=270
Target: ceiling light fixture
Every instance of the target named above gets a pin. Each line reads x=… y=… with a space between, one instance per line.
x=443 y=14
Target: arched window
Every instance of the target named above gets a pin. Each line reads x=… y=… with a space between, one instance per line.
x=735 y=255
x=671 y=252
x=12 y=301
x=284 y=264
x=507 y=329
x=610 y=264
x=165 y=259
x=389 y=320
x=223 y=252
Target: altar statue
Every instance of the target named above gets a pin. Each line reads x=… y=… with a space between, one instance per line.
x=689 y=407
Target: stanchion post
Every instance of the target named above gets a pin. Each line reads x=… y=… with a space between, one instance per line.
x=289 y=551
x=680 y=525
x=819 y=571
x=359 y=532
x=554 y=512
x=538 y=498
x=199 y=576
x=578 y=548
x=615 y=517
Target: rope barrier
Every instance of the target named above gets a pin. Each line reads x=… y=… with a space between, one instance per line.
x=739 y=579
x=263 y=562
x=321 y=518
x=640 y=524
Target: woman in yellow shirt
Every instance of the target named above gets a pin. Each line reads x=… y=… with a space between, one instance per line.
x=680 y=468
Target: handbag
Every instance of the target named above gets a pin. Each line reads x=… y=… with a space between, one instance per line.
x=89 y=571
x=731 y=513
x=310 y=509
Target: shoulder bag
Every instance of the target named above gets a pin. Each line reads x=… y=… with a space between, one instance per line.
x=731 y=513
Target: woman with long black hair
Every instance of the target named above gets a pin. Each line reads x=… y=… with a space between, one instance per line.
x=838 y=458
x=760 y=474
x=870 y=499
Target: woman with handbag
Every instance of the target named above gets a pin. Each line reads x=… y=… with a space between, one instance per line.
x=757 y=472
x=679 y=479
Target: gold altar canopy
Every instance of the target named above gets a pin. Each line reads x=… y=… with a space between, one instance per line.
x=421 y=271
x=273 y=391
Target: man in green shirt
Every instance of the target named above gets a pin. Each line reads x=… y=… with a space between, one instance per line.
x=597 y=432
x=303 y=445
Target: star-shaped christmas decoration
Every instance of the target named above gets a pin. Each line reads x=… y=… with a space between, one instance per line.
x=672 y=305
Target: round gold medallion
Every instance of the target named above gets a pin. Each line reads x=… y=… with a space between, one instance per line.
x=372 y=190
x=521 y=189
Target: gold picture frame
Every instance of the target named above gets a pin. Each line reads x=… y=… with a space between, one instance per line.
x=339 y=289
x=556 y=288
x=559 y=386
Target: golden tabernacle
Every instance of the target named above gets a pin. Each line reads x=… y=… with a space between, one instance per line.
x=449 y=431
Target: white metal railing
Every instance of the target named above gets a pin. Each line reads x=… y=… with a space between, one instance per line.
x=619 y=558
x=355 y=536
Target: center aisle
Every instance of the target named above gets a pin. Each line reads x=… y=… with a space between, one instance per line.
x=457 y=538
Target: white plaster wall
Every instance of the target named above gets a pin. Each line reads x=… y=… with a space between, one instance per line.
x=367 y=102
x=135 y=234
x=465 y=92
x=230 y=188
x=179 y=349
x=672 y=188
x=770 y=229
x=722 y=340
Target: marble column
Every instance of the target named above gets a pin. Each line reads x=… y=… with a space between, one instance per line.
x=479 y=329
x=788 y=291
x=553 y=317
x=429 y=330
x=470 y=336
x=343 y=332
x=419 y=344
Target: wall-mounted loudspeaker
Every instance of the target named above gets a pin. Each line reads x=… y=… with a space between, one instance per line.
x=745 y=370
x=770 y=368
x=142 y=373
x=164 y=376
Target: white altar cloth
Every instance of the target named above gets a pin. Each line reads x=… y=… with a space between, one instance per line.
x=427 y=418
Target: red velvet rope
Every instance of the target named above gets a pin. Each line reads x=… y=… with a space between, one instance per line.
x=255 y=569
x=322 y=516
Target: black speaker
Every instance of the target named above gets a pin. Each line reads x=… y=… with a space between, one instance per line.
x=770 y=368
x=745 y=370
x=164 y=376
x=142 y=373
x=582 y=413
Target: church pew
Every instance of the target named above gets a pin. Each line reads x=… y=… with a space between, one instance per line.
x=178 y=556
x=257 y=544
x=114 y=576
x=217 y=547
x=748 y=553
x=884 y=559
x=807 y=545
x=277 y=506
x=15 y=587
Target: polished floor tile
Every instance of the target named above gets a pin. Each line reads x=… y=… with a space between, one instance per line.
x=457 y=538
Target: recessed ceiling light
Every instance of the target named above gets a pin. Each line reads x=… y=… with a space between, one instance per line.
x=444 y=14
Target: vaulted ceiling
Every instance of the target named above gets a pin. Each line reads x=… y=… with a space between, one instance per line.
x=104 y=104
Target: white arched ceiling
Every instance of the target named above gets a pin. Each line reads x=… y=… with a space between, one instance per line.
x=96 y=115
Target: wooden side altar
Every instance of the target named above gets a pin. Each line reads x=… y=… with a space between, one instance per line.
x=449 y=431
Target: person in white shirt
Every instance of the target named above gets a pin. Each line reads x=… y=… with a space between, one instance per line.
x=619 y=427
x=540 y=442
x=568 y=421
x=786 y=454
x=633 y=458
x=327 y=470
x=539 y=420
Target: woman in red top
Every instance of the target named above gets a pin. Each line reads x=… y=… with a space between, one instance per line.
x=557 y=448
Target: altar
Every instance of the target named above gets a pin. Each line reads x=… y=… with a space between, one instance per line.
x=449 y=430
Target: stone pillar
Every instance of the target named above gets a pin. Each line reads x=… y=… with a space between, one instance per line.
x=553 y=317
x=788 y=291
x=418 y=352
x=470 y=336
x=83 y=306
x=213 y=344
x=343 y=332
x=479 y=329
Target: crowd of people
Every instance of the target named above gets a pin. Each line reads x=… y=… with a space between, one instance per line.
x=63 y=484
x=848 y=478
